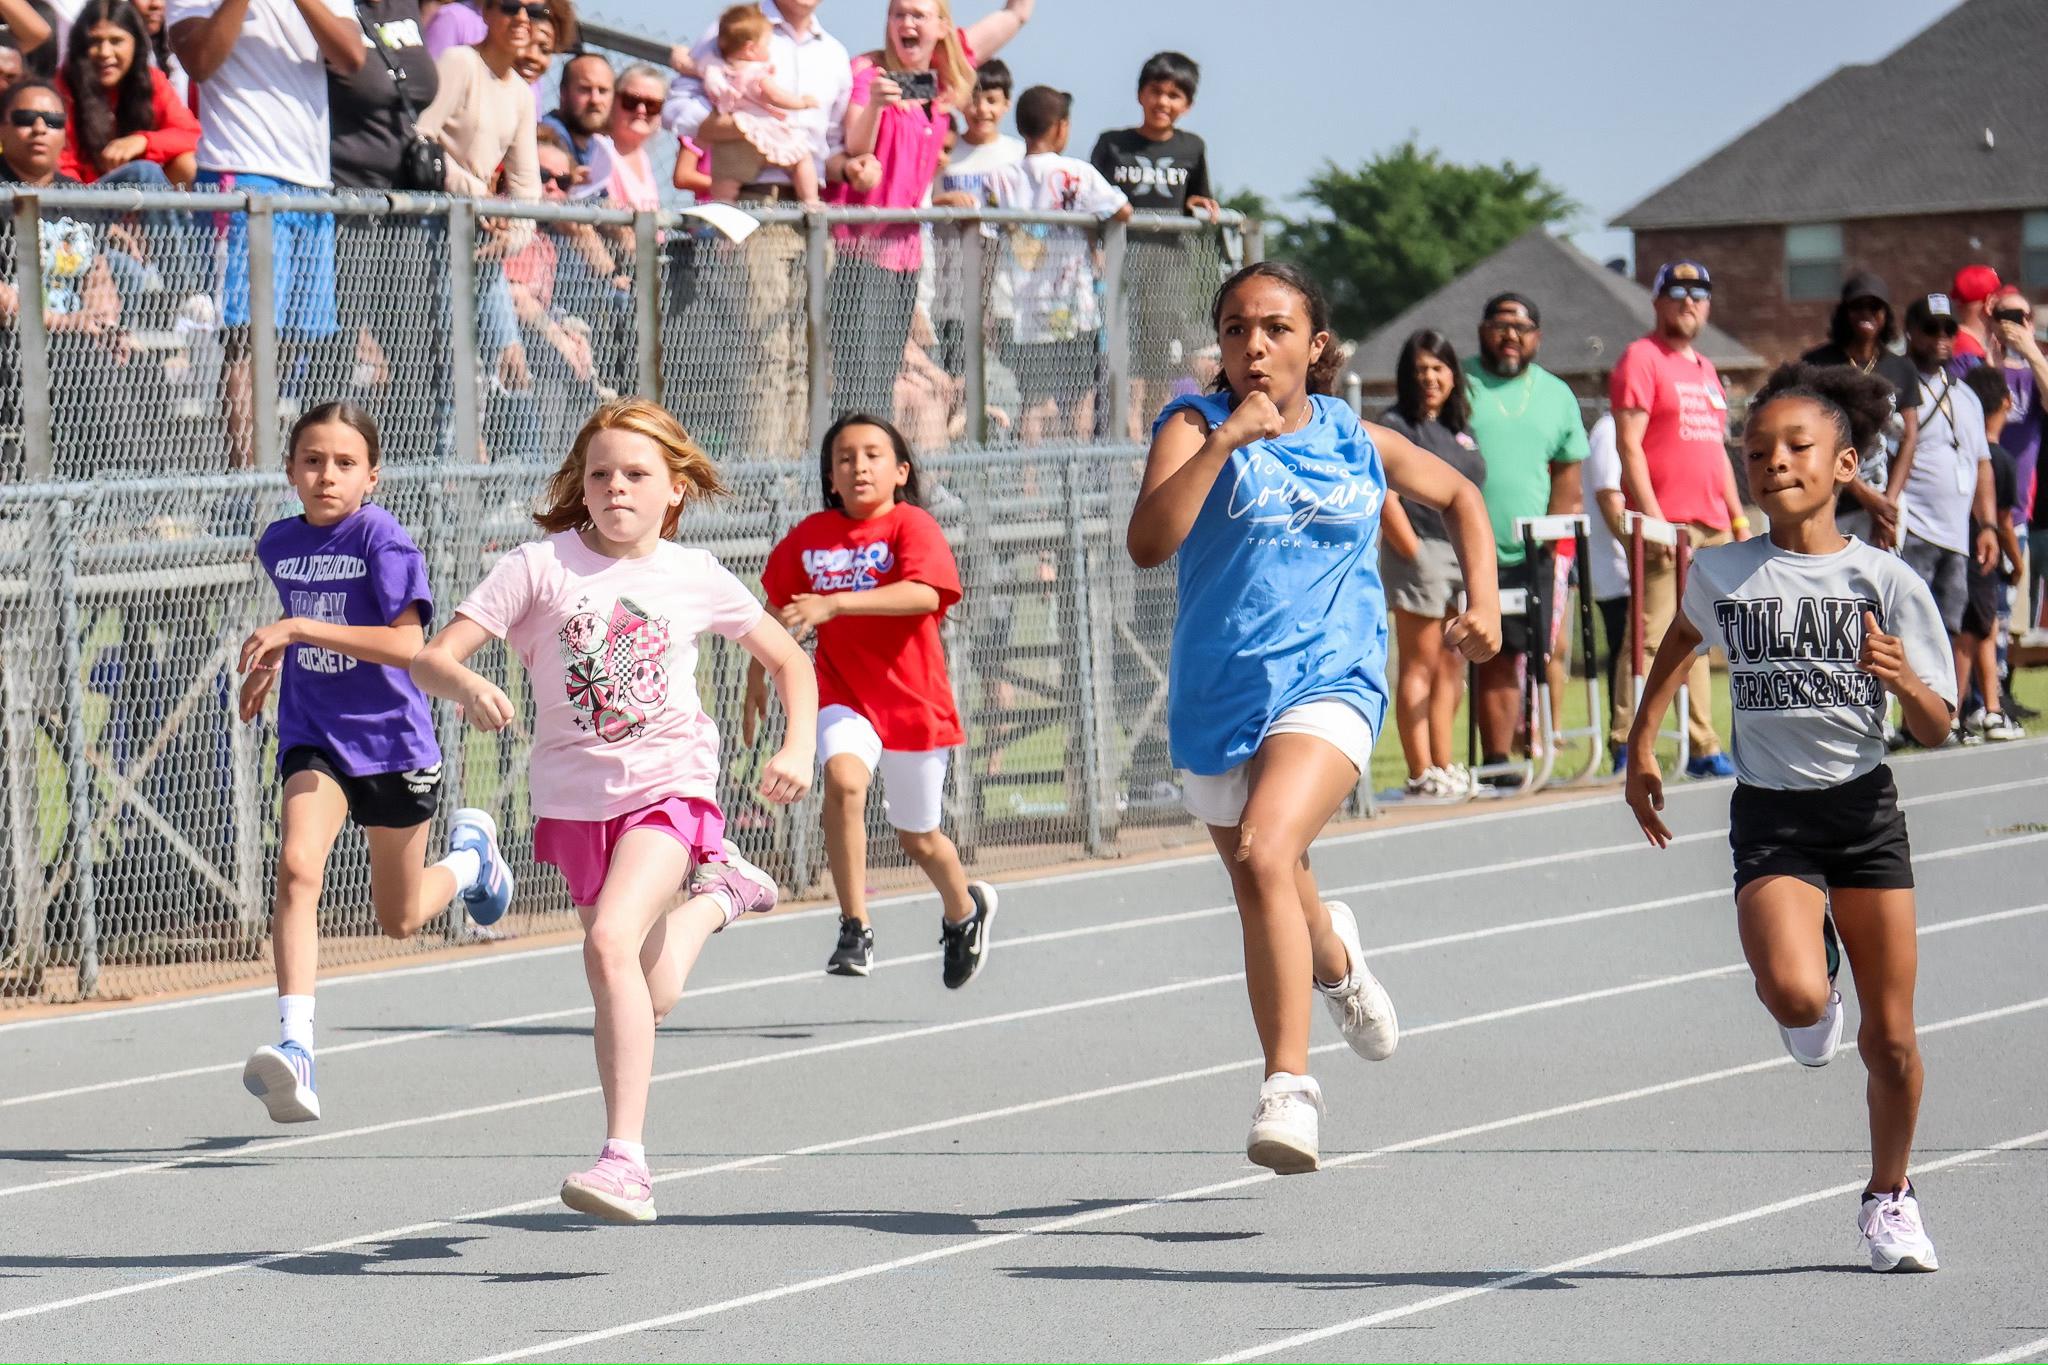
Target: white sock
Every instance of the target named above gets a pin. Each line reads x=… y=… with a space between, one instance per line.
x=466 y=866
x=635 y=1150
x=295 y=1020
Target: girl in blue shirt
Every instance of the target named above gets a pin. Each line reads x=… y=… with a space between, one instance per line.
x=1269 y=491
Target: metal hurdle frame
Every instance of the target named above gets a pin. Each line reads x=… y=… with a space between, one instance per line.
x=1552 y=530
x=1536 y=702
x=1642 y=529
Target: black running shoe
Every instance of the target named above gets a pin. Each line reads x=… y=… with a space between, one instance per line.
x=1833 y=944
x=965 y=945
x=855 y=955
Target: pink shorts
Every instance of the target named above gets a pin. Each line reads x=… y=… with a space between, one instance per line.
x=582 y=849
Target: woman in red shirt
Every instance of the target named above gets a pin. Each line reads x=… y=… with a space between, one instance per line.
x=129 y=126
x=871 y=577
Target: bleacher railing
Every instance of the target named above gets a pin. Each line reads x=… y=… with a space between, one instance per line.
x=138 y=817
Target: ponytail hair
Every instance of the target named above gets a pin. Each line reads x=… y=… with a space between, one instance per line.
x=1323 y=371
x=908 y=493
x=337 y=414
x=1859 y=403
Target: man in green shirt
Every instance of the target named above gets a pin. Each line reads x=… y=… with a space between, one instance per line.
x=1527 y=423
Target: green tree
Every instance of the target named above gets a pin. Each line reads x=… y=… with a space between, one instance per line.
x=1404 y=223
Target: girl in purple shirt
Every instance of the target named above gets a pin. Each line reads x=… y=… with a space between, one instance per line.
x=354 y=736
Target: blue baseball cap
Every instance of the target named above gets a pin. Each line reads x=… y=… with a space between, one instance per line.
x=1681 y=272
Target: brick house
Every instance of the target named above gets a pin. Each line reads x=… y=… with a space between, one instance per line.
x=1911 y=166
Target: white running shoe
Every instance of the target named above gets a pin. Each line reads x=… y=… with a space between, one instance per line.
x=1359 y=1003
x=1285 y=1125
x=281 y=1075
x=1815 y=1044
x=1893 y=1234
x=1996 y=727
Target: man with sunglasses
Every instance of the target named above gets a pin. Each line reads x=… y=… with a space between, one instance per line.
x=1947 y=479
x=1529 y=431
x=260 y=70
x=1671 y=428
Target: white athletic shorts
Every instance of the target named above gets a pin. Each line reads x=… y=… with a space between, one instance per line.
x=913 y=780
x=1219 y=800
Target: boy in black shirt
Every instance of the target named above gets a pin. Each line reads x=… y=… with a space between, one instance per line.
x=1161 y=168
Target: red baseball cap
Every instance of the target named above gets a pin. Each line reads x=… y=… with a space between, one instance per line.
x=1976 y=283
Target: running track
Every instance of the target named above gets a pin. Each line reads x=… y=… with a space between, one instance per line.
x=1590 y=1144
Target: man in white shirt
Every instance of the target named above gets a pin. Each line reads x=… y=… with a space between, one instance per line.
x=1947 y=477
x=261 y=70
x=769 y=307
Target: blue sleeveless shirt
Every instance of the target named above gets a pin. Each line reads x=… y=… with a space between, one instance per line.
x=1280 y=594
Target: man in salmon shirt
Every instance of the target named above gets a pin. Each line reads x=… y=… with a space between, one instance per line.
x=1671 y=427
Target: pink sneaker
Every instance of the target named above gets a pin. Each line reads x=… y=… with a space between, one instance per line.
x=616 y=1189
x=744 y=888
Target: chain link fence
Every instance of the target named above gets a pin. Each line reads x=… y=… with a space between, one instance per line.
x=143 y=411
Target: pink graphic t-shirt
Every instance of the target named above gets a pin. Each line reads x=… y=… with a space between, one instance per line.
x=610 y=646
x=1685 y=442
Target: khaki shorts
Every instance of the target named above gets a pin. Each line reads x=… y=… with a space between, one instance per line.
x=1427 y=585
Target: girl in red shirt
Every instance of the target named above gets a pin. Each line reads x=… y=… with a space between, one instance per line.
x=871 y=577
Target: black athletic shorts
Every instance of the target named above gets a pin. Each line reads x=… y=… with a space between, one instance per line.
x=1535 y=576
x=375 y=800
x=1980 y=605
x=1851 y=836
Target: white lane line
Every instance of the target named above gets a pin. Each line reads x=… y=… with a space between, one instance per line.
x=1092 y=874
x=1050 y=936
x=987 y=1115
x=1613 y=1253
x=2026 y=1352
x=1205 y=1191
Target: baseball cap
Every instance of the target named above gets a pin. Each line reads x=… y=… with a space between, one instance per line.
x=1975 y=283
x=1866 y=284
x=1503 y=300
x=1927 y=308
x=1681 y=272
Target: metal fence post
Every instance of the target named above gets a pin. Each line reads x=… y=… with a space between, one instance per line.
x=78 y=773
x=1082 y=634
x=264 y=437
x=462 y=368
x=1254 y=240
x=974 y=379
x=647 y=300
x=38 y=458
x=817 y=324
x=1116 y=329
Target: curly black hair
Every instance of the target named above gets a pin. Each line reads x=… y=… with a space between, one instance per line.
x=1859 y=403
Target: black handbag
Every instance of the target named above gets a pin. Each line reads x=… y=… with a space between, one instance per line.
x=422 y=164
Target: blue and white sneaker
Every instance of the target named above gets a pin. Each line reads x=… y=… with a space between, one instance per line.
x=491 y=896
x=282 y=1077
x=1710 y=765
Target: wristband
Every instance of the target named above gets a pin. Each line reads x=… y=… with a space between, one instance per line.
x=1740 y=523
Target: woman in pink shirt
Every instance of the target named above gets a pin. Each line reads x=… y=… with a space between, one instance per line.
x=636 y=114
x=604 y=612
x=902 y=141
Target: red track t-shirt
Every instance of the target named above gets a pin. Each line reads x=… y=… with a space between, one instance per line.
x=891 y=669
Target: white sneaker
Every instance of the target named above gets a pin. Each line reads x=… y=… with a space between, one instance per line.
x=1360 y=1004
x=1459 y=779
x=1997 y=727
x=1893 y=1234
x=1285 y=1125
x=1815 y=1044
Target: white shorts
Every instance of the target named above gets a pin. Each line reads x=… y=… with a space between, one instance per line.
x=913 y=780
x=1219 y=800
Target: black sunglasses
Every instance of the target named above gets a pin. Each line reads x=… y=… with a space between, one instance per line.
x=1939 y=327
x=563 y=182
x=640 y=104
x=512 y=8
x=53 y=119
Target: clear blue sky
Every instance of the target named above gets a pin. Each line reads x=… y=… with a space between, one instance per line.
x=1610 y=98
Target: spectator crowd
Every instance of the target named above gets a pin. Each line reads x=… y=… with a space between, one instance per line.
x=502 y=99
x=1954 y=490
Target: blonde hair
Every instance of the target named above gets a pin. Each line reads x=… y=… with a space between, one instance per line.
x=740 y=25
x=687 y=464
x=949 y=59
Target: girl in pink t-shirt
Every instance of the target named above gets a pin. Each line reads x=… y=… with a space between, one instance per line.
x=605 y=613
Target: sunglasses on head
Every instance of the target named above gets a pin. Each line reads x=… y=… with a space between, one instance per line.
x=512 y=9
x=53 y=119
x=1678 y=293
x=640 y=104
